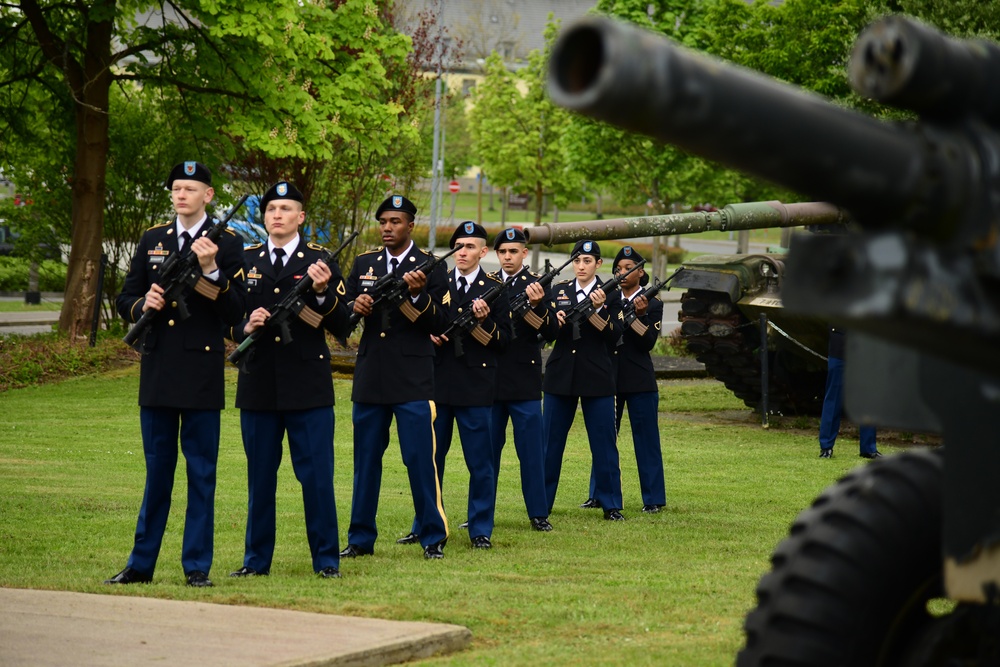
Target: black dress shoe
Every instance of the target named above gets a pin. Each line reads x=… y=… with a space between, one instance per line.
x=871 y=455
x=613 y=515
x=411 y=538
x=129 y=576
x=198 y=579
x=353 y=551
x=590 y=504
x=651 y=509
x=435 y=550
x=826 y=453
x=329 y=573
x=541 y=523
x=248 y=572
x=464 y=525
x=481 y=542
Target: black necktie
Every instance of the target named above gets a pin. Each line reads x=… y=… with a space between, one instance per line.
x=580 y=295
x=463 y=284
x=278 y=262
x=185 y=238
x=393 y=264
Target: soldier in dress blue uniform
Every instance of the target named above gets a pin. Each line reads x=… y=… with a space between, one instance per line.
x=181 y=388
x=519 y=377
x=465 y=377
x=394 y=378
x=581 y=371
x=636 y=385
x=288 y=387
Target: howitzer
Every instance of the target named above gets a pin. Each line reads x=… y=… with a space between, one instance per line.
x=468 y=323
x=584 y=309
x=390 y=290
x=178 y=274
x=520 y=305
x=918 y=289
x=293 y=305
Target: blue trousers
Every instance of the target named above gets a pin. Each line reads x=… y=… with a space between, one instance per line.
x=833 y=405
x=529 y=443
x=474 y=434
x=643 y=408
x=599 y=416
x=199 y=438
x=310 y=445
x=414 y=425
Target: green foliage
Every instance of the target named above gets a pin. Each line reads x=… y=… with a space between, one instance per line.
x=14 y=275
x=43 y=358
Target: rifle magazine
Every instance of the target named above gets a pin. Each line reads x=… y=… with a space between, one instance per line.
x=310 y=317
x=533 y=320
x=207 y=289
x=480 y=335
x=639 y=327
x=598 y=321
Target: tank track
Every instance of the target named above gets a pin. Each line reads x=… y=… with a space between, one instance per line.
x=723 y=339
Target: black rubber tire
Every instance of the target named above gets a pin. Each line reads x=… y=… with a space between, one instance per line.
x=849 y=586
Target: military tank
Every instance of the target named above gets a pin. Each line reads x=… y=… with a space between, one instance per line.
x=898 y=563
x=726 y=296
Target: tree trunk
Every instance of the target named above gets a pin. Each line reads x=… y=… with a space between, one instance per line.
x=89 y=171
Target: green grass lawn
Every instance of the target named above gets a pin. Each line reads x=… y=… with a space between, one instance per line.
x=19 y=306
x=664 y=589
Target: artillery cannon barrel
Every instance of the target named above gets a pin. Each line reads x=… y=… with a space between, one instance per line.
x=643 y=82
x=755 y=215
x=900 y=61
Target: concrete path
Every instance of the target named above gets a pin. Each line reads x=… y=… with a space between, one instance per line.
x=50 y=628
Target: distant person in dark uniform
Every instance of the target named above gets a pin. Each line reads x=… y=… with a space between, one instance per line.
x=288 y=387
x=581 y=372
x=465 y=378
x=833 y=404
x=519 y=377
x=181 y=389
x=394 y=378
x=636 y=384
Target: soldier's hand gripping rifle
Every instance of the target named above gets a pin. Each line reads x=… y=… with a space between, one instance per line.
x=293 y=305
x=520 y=305
x=178 y=274
x=390 y=290
x=585 y=309
x=468 y=323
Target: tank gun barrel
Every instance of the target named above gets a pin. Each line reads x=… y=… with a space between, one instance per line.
x=754 y=215
x=643 y=82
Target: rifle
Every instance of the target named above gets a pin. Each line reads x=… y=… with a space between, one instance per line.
x=466 y=322
x=629 y=315
x=177 y=274
x=292 y=305
x=520 y=305
x=585 y=308
x=392 y=290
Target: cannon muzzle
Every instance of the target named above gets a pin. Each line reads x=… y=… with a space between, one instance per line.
x=643 y=82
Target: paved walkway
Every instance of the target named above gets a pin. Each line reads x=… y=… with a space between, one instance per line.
x=49 y=628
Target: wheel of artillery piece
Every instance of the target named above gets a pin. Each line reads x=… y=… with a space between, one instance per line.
x=852 y=582
x=720 y=337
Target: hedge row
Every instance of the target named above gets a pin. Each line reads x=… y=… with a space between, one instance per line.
x=14 y=275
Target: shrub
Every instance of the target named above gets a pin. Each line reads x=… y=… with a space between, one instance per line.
x=29 y=360
x=14 y=275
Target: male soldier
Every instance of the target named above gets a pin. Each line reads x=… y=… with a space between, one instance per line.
x=287 y=386
x=636 y=386
x=394 y=377
x=580 y=370
x=465 y=376
x=519 y=377
x=181 y=386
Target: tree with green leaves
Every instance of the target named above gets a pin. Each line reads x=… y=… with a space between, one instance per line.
x=292 y=79
x=517 y=131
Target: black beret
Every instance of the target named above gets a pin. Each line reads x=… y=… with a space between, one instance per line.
x=396 y=203
x=281 y=190
x=189 y=171
x=587 y=247
x=467 y=230
x=509 y=235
